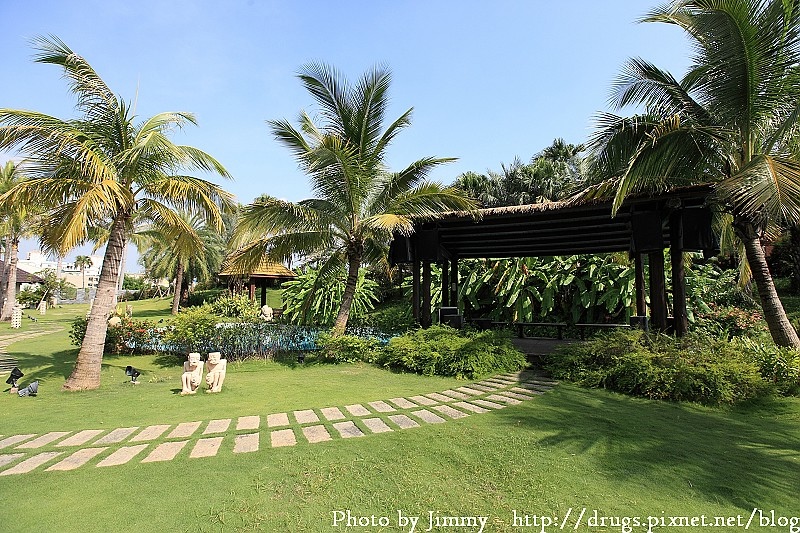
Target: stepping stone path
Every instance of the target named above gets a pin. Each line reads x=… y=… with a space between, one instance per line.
x=332 y=413
x=184 y=430
x=29 y=452
x=306 y=417
x=277 y=420
x=316 y=434
x=206 y=447
x=246 y=443
x=283 y=437
x=348 y=429
x=82 y=437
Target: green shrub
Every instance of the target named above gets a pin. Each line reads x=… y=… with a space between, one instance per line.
x=238 y=306
x=441 y=350
x=391 y=318
x=347 y=348
x=728 y=322
x=778 y=365
x=130 y=336
x=192 y=330
x=696 y=368
x=200 y=297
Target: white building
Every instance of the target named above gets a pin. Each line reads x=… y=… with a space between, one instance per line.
x=38 y=261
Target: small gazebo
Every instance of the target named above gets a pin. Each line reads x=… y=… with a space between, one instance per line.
x=266 y=274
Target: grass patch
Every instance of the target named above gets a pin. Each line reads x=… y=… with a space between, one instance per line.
x=571 y=447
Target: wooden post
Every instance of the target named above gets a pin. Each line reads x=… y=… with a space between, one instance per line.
x=446 y=283
x=454 y=281
x=680 y=318
x=415 y=304
x=658 y=301
x=263 y=292
x=252 y=290
x=638 y=266
x=425 y=310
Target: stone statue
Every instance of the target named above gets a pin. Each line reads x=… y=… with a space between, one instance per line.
x=192 y=374
x=216 y=372
x=266 y=313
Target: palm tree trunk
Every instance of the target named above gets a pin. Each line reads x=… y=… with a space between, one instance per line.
x=354 y=264
x=782 y=331
x=11 y=280
x=176 y=299
x=4 y=273
x=86 y=373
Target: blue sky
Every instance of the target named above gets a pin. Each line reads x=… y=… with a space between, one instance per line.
x=488 y=81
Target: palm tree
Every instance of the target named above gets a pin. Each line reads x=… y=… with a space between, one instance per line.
x=359 y=202
x=195 y=252
x=16 y=223
x=83 y=262
x=732 y=121
x=104 y=169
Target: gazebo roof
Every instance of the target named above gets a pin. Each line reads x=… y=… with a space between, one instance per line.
x=265 y=269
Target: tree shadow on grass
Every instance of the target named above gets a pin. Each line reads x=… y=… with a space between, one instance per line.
x=739 y=455
x=56 y=365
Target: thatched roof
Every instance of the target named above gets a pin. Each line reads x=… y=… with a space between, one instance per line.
x=265 y=269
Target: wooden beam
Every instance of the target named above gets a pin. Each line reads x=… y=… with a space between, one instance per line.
x=454 y=281
x=445 y=283
x=680 y=318
x=425 y=309
x=641 y=303
x=658 y=301
x=415 y=294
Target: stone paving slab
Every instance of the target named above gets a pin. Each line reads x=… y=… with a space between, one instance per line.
x=439 y=397
x=150 y=433
x=515 y=395
x=332 y=413
x=15 y=439
x=483 y=388
x=116 y=435
x=529 y=392
x=500 y=398
x=402 y=403
x=79 y=458
x=456 y=394
x=9 y=458
x=306 y=416
x=471 y=407
x=217 y=426
x=282 y=437
x=206 y=447
x=277 y=420
x=316 y=433
x=43 y=440
x=246 y=443
x=376 y=425
x=472 y=392
x=357 y=410
x=403 y=422
x=536 y=386
x=29 y=464
x=486 y=385
x=449 y=411
x=422 y=400
x=165 y=451
x=248 y=423
x=348 y=429
x=184 y=430
x=490 y=405
x=81 y=437
x=382 y=407
x=123 y=455
x=427 y=416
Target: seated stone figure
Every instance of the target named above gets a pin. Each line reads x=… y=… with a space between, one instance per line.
x=192 y=374
x=216 y=372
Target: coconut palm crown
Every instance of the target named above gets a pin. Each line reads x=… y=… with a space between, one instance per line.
x=732 y=120
x=358 y=202
x=104 y=169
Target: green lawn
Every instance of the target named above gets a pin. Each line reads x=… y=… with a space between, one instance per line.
x=568 y=448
